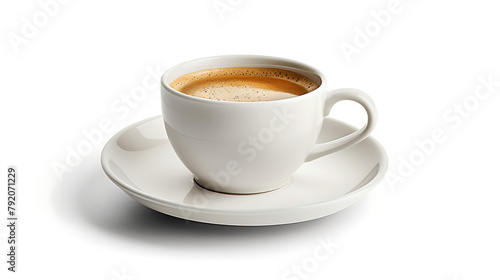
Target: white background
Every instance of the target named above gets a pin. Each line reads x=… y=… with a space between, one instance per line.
x=437 y=219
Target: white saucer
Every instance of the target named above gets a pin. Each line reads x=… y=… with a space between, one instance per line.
x=140 y=160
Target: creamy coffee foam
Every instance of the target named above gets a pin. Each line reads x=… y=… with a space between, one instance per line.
x=244 y=84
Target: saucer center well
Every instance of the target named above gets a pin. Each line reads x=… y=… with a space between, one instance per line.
x=286 y=184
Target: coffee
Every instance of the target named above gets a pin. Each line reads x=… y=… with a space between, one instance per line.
x=244 y=84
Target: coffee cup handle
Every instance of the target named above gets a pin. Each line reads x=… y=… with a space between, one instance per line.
x=333 y=97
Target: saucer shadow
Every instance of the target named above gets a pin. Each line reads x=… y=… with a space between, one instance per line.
x=92 y=199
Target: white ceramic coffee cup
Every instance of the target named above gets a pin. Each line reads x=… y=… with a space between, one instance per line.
x=253 y=147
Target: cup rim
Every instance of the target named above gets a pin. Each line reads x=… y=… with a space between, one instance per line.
x=280 y=61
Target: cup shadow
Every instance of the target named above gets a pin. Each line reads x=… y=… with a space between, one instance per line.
x=92 y=199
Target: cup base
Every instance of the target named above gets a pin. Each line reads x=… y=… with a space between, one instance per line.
x=197 y=182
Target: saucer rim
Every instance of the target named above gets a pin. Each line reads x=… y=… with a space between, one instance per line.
x=130 y=190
